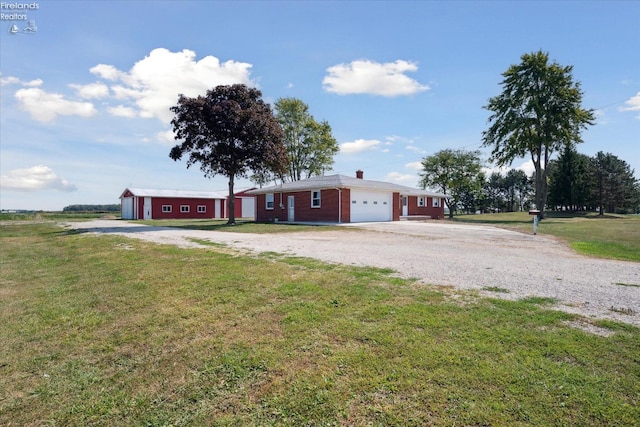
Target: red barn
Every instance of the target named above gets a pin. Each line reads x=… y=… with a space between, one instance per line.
x=340 y=198
x=142 y=203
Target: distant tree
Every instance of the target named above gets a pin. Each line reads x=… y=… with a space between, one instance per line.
x=229 y=131
x=615 y=187
x=310 y=145
x=92 y=208
x=537 y=113
x=569 y=180
x=472 y=197
x=519 y=189
x=456 y=173
x=495 y=191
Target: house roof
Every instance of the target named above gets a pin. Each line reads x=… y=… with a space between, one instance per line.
x=343 y=181
x=180 y=194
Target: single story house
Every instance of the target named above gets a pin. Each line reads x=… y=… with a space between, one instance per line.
x=144 y=203
x=342 y=199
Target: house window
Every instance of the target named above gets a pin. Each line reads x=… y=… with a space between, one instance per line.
x=269 y=200
x=436 y=202
x=421 y=202
x=166 y=208
x=315 y=199
x=202 y=208
x=184 y=208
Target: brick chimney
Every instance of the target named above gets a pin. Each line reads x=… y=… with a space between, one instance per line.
x=359 y=174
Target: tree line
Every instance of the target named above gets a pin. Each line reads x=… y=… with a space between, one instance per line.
x=576 y=182
x=91 y=208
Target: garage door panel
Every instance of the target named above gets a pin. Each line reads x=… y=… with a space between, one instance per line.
x=369 y=206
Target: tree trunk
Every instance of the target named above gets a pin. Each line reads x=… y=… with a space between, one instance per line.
x=232 y=203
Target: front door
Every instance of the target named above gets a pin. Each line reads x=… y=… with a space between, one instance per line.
x=405 y=206
x=291 y=209
x=147 y=208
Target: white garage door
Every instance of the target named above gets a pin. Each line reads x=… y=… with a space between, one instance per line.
x=368 y=206
x=248 y=207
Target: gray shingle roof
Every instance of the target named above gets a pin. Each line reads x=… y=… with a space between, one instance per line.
x=343 y=181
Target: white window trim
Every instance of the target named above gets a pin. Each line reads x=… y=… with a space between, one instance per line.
x=266 y=201
x=202 y=208
x=166 y=208
x=422 y=202
x=184 y=208
x=436 y=202
x=319 y=199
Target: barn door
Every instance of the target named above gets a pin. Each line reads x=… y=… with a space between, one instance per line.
x=147 y=208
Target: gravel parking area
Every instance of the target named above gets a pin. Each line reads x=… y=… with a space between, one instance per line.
x=518 y=265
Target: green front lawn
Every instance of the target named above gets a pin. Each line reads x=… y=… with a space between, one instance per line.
x=104 y=331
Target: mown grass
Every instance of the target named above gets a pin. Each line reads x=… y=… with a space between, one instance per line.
x=103 y=331
x=611 y=236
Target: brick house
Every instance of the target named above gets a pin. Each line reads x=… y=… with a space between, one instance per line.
x=341 y=198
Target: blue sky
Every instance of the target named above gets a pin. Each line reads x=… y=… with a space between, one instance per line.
x=85 y=96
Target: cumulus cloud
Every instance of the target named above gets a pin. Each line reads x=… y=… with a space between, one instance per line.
x=401 y=178
x=4 y=81
x=166 y=137
x=46 y=107
x=34 y=179
x=153 y=84
x=632 y=104
x=527 y=167
x=414 y=165
x=359 y=145
x=364 y=76
x=91 y=91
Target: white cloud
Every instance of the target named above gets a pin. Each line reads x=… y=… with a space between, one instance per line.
x=166 y=137
x=527 y=167
x=108 y=72
x=401 y=178
x=633 y=104
x=34 y=179
x=122 y=111
x=154 y=83
x=414 y=165
x=364 y=76
x=16 y=81
x=359 y=145
x=45 y=107
x=92 y=90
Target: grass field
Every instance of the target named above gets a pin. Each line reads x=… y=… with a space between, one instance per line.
x=611 y=236
x=107 y=331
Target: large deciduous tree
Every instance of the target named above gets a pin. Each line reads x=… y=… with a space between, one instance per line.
x=456 y=173
x=310 y=145
x=538 y=113
x=229 y=131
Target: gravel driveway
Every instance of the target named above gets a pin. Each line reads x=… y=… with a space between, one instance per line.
x=440 y=253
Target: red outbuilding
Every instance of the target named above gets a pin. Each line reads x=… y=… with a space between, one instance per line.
x=143 y=203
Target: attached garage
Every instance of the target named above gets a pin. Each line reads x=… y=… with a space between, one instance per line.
x=371 y=206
